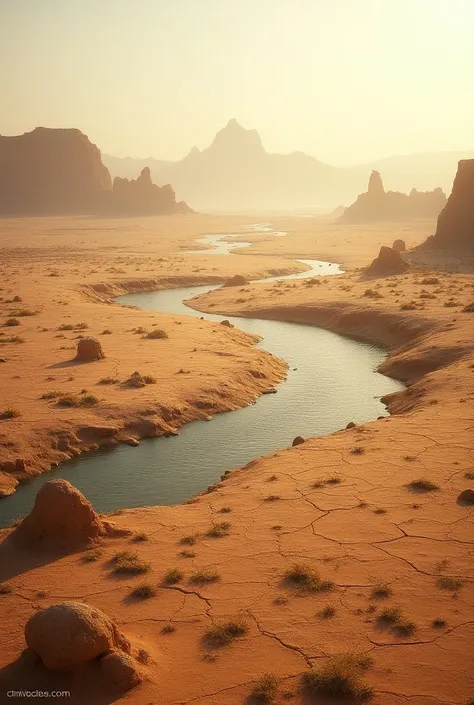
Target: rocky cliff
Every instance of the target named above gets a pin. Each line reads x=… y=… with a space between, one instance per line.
x=378 y=204
x=142 y=197
x=456 y=221
x=49 y=171
x=59 y=171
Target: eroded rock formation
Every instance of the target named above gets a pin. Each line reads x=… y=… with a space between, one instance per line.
x=388 y=262
x=399 y=246
x=63 y=515
x=455 y=228
x=378 y=204
x=142 y=197
x=236 y=280
x=49 y=171
x=88 y=350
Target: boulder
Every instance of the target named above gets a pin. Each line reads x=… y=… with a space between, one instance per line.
x=236 y=280
x=399 y=246
x=135 y=380
x=121 y=669
x=226 y=323
x=466 y=497
x=69 y=634
x=61 y=514
x=455 y=229
x=51 y=171
x=298 y=440
x=387 y=263
x=351 y=424
x=88 y=350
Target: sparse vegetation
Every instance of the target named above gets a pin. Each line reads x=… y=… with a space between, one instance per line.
x=12 y=339
x=189 y=540
x=373 y=294
x=224 y=633
x=393 y=617
x=24 y=312
x=272 y=498
x=266 y=688
x=340 y=677
x=173 y=576
x=449 y=583
x=187 y=554
x=157 y=334
x=140 y=536
x=438 y=623
x=358 y=450
x=327 y=612
x=144 y=591
x=75 y=400
x=92 y=556
x=11 y=322
x=51 y=395
x=225 y=510
x=204 y=576
x=108 y=380
x=469 y=475
x=381 y=592
x=303 y=576
x=423 y=485
x=10 y=414
x=128 y=562
x=219 y=530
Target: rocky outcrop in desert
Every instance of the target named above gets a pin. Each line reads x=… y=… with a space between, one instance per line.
x=59 y=171
x=51 y=171
x=142 y=197
x=456 y=221
x=376 y=204
x=387 y=263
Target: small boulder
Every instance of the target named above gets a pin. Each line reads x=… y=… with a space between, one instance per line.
x=399 y=246
x=88 y=350
x=62 y=514
x=227 y=323
x=387 y=263
x=69 y=634
x=298 y=440
x=236 y=280
x=466 y=497
x=351 y=424
x=121 y=669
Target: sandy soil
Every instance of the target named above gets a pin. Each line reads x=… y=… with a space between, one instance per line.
x=342 y=504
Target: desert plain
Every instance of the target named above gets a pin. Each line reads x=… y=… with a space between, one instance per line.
x=356 y=542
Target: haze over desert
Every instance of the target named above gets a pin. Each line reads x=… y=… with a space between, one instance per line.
x=237 y=378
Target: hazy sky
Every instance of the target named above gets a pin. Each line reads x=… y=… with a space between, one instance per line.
x=344 y=80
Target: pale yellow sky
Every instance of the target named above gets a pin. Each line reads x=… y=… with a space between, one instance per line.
x=345 y=80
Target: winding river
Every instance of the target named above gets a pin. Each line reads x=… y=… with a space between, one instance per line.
x=331 y=381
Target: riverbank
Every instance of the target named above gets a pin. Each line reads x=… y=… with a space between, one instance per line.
x=373 y=509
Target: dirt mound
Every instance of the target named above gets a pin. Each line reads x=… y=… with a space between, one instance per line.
x=61 y=513
x=89 y=349
x=121 y=669
x=387 y=263
x=69 y=634
x=236 y=280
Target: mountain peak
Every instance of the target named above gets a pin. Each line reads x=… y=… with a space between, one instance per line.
x=237 y=139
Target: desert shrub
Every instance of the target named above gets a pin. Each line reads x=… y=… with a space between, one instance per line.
x=157 y=334
x=149 y=379
x=24 y=312
x=381 y=592
x=189 y=540
x=430 y=280
x=223 y=633
x=265 y=689
x=77 y=401
x=408 y=307
x=449 y=583
x=304 y=577
x=219 y=530
x=10 y=414
x=12 y=339
x=108 y=380
x=51 y=395
x=373 y=294
x=340 y=677
x=173 y=576
x=128 y=562
x=204 y=576
x=423 y=485
x=92 y=556
x=144 y=591
x=11 y=322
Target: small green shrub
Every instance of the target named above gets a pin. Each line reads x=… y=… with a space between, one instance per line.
x=219 y=530
x=11 y=322
x=204 y=576
x=10 y=414
x=223 y=633
x=128 y=562
x=304 y=577
x=156 y=334
x=340 y=677
x=265 y=689
x=173 y=576
x=422 y=485
x=144 y=591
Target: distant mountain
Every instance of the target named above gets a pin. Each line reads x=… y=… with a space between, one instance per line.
x=235 y=173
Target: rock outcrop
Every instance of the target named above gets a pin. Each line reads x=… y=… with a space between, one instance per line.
x=236 y=280
x=88 y=350
x=70 y=634
x=61 y=515
x=51 y=171
x=399 y=246
x=378 y=204
x=455 y=228
x=142 y=197
x=387 y=263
